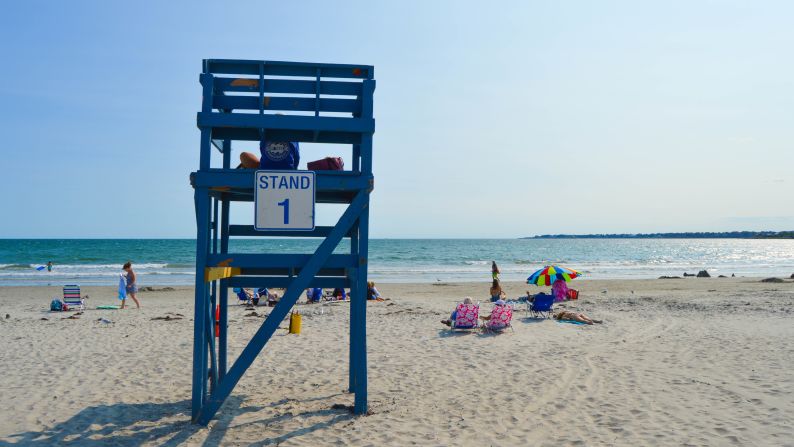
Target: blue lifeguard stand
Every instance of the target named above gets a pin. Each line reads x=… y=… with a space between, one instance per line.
x=245 y=100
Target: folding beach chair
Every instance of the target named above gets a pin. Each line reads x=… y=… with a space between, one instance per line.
x=541 y=305
x=242 y=296
x=72 y=297
x=501 y=319
x=466 y=316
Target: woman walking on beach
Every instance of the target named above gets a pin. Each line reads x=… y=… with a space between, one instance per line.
x=132 y=286
x=494 y=271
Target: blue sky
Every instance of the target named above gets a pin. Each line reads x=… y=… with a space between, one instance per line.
x=494 y=119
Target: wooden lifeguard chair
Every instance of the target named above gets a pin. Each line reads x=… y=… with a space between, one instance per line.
x=318 y=103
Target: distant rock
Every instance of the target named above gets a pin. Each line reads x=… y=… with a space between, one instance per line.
x=689 y=274
x=772 y=280
x=703 y=274
x=792 y=276
x=733 y=275
x=722 y=276
x=669 y=277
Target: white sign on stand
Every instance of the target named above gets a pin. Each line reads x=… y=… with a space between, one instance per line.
x=284 y=200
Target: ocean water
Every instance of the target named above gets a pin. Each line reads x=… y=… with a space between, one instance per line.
x=171 y=261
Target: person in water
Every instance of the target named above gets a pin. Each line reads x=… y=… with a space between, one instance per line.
x=495 y=271
x=49 y=266
x=132 y=285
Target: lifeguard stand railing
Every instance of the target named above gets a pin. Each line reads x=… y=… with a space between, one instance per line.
x=278 y=101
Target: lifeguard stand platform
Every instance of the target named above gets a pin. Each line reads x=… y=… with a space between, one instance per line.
x=247 y=100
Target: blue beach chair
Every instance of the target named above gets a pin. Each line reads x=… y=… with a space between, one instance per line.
x=242 y=296
x=541 y=306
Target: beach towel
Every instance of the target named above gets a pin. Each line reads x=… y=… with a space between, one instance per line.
x=122 y=287
x=107 y=307
x=570 y=322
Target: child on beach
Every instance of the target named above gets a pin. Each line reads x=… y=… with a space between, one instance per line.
x=132 y=286
x=372 y=292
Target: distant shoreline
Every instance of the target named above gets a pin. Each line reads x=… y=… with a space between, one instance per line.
x=690 y=235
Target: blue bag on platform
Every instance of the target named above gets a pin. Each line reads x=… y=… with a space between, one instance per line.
x=279 y=155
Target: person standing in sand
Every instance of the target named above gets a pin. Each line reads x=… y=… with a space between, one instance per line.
x=132 y=285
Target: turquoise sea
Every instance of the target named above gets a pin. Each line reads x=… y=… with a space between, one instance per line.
x=170 y=261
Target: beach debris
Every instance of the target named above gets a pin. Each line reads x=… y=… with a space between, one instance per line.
x=669 y=277
x=771 y=280
x=71 y=317
x=105 y=321
x=342 y=407
x=167 y=318
x=604 y=291
x=8 y=316
x=703 y=274
x=45 y=319
x=251 y=314
x=155 y=289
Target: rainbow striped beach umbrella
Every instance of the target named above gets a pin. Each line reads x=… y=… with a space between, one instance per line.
x=547 y=275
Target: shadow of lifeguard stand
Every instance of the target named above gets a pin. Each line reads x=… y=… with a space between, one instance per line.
x=322 y=103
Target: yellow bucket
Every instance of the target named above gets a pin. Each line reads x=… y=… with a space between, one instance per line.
x=295 y=323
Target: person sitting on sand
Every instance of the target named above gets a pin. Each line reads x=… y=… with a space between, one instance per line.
x=372 y=292
x=454 y=316
x=570 y=315
x=496 y=291
x=339 y=294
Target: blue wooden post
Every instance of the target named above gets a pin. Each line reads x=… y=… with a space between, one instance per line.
x=199 y=340
x=224 y=292
x=267 y=87
x=354 y=293
x=360 y=304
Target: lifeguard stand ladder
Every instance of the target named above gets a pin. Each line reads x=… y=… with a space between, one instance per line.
x=240 y=102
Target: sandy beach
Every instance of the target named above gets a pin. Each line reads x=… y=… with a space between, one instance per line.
x=695 y=361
